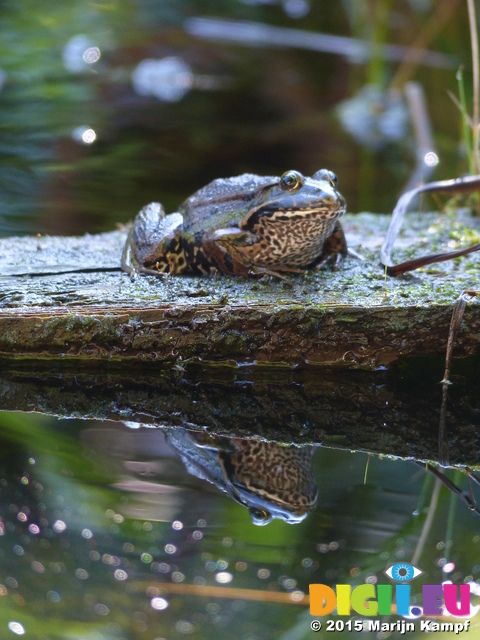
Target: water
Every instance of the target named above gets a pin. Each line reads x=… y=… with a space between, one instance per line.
x=127 y=530
x=104 y=534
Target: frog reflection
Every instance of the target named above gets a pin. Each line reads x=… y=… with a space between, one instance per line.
x=272 y=481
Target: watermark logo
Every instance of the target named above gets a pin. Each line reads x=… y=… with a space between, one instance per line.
x=376 y=600
x=402 y=572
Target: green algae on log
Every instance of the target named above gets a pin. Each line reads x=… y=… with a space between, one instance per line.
x=65 y=298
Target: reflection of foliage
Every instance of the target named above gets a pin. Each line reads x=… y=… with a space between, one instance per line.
x=106 y=582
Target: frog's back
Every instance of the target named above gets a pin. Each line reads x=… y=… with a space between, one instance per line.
x=221 y=203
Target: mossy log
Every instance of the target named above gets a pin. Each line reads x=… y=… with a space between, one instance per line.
x=66 y=298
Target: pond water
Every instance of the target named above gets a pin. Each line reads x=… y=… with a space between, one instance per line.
x=114 y=531
x=104 y=534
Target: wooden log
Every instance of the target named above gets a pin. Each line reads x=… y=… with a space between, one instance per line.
x=70 y=321
x=64 y=298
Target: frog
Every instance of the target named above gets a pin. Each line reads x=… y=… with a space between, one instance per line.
x=242 y=226
x=270 y=480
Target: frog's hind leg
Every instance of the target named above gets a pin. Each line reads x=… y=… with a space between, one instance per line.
x=334 y=249
x=133 y=268
x=127 y=263
x=154 y=245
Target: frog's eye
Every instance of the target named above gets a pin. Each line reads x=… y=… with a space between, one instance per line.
x=260 y=517
x=291 y=180
x=403 y=572
x=327 y=176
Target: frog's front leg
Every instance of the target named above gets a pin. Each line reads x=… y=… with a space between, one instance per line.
x=334 y=249
x=225 y=248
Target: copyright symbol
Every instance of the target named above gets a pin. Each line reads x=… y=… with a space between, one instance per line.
x=315 y=625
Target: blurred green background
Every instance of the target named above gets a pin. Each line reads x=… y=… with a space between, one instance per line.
x=105 y=106
x=179 y=93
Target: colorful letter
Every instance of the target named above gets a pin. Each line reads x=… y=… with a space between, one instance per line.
x=450 y=593
x=343 y=599
x=432 y=599
x=322 y=600
x=361 y=602
x=384 y=596
x=402 y=592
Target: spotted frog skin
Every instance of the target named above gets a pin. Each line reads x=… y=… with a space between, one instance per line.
x=270 y=480
x=241 y=226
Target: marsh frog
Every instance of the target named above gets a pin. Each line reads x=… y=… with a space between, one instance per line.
x=272 y=481
x=243 y=225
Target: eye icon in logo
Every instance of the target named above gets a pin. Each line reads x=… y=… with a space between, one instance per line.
x=403 y=572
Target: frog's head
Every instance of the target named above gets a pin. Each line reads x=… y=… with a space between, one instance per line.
x=294 y=196
x=271 y=481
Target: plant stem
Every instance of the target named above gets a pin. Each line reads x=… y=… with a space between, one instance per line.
x=476 y=79
x=381 y=14
x=467 y=136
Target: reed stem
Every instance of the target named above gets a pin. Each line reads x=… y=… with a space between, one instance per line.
x=476 y=80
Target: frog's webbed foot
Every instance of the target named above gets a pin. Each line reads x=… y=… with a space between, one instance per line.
x=333 y=259
x=133 y=268
x=158 y=274
x=265 y=271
